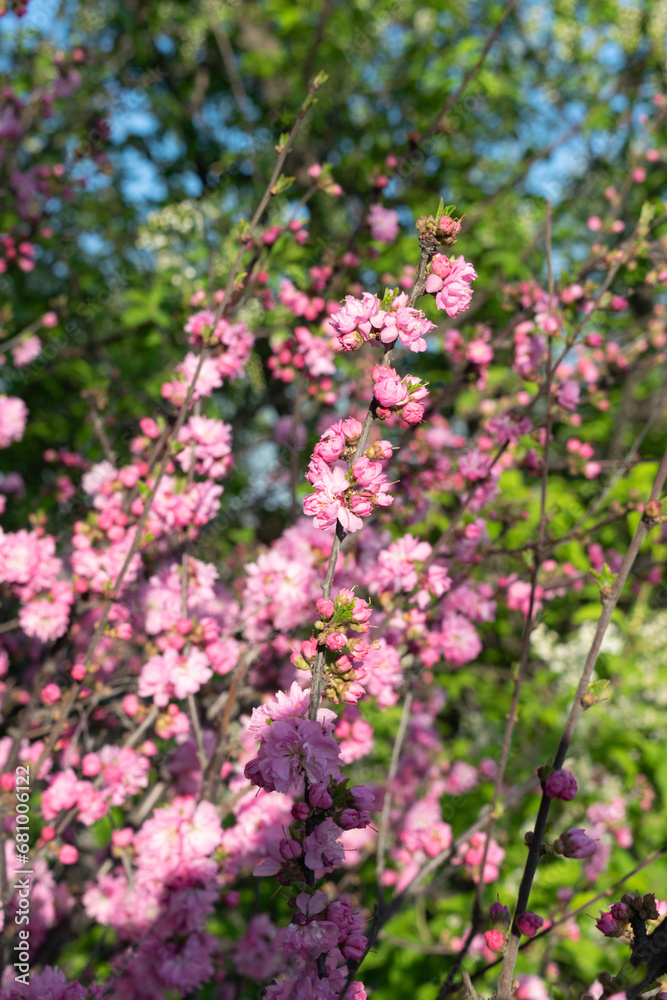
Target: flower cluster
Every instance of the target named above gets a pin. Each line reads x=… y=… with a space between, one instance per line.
x=361 y=320
x=398 y=395
x=345 y=496
x=449 y=281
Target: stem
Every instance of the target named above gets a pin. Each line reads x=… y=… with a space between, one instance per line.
x=386 y=806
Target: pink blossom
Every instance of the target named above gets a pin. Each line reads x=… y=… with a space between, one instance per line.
x=291 y=750
x=329 y=503
x=450 y=281
x=307 y=934
x=26 y=351
x=388 y=388
x=568 y=395
x=383 y=223
x=323 y=849
x=13 y=416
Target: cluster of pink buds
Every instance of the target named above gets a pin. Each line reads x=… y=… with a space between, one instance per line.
x=360 y=320
x=344 y=653
x=398 y=395
x=632 y=909
x=438 y=231
x=449 y=281
x=21 y=253
x=579 y=454
x=342 y=496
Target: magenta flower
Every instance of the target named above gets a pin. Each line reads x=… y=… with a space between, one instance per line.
x=561 y=785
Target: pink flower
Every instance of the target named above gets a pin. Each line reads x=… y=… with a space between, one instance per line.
x=450 y=281
x=331 y=445
x=26 y=351
x=323 y=849
x=13 y=416
x=383 y=223
x=307 y=935
x=389 y=389
x=568 y=395
x=561 y=785
x=290 y=751
x=574 y=843
x=412 y=413
x=50 y=694
x=329 y=503
x=529 y=923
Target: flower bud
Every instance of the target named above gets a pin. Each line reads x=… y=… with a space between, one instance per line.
x=325 y=607
x=574 y=843
x=561 y=785
x=319 y=797
x=500 y=915
x=529 y=923
x=607 y=925
x=495 y=940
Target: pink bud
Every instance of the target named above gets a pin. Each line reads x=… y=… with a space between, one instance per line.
x=619 y=911
x=130 y=704
x=325 y=607
x=574 y=843
x=78 y=672
x=50 y=694
x=68 y=854
x=300 y=811
x=607 y=925
x=495 y=940
x=561 y=785
x=529 y=923
x=91 y=765
x=336 y=640
x=319 y=797
x=412 y=413
x=122 y=838
x=48 y=833
x=499 y=914
x=290 y=849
